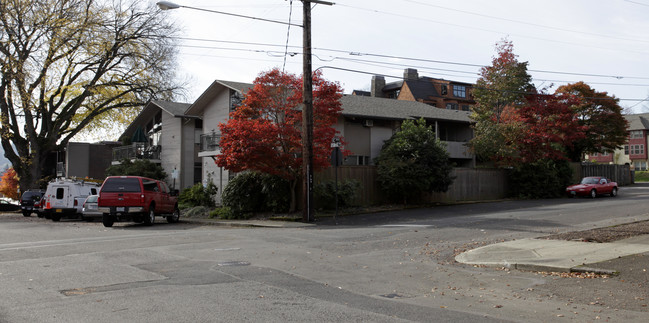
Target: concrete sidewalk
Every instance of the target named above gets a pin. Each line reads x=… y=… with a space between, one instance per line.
x=553 y=255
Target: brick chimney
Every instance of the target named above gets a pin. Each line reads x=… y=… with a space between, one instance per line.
x=378 y=83
x=410 y=74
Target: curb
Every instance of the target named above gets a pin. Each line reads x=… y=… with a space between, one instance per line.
x=246 y=224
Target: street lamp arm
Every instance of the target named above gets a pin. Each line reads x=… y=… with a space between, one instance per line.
x=167 y=5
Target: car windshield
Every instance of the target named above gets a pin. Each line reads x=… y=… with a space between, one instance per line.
x=91 y=199
x=115 y=185
x=34 y=196
x=590 y=180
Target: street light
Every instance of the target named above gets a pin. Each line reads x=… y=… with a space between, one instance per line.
x=168 y=5
x=307 y=95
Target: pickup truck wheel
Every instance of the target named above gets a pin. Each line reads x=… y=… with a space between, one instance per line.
x=27 y=213
x=56 y=217
x=173 y=218
x=150 y=217
x=108 y=220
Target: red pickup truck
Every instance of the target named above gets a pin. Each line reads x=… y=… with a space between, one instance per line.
x=138 y=199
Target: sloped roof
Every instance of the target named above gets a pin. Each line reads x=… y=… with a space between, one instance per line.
x=422 y=88
x=638 y=121
x=382 y=108
x=175 y=109
x=208 y=95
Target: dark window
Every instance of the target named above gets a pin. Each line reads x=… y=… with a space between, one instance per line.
x=121 y=185
x=150 y=186
x=59 y=193
x=459 y=91
x=466 y=107
x=451 y=106
x=444 y=89
x=93 y=191
x=164 y=187
x=626 y=149
x=356 y=160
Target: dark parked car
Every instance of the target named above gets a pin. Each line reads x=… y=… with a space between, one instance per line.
x=8 y=206
x=593 y=186
x=30 y=201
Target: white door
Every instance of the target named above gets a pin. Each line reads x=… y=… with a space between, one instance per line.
x=61 y=197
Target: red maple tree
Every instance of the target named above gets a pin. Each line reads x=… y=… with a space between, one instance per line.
x=9 y=184
x=265 y=133
x=550 y=127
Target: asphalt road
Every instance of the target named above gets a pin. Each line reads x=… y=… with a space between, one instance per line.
x=386 y=267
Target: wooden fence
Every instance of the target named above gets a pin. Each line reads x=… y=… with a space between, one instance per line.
x=470 y=184
x=622 y=174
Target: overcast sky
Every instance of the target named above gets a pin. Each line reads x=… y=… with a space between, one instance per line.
x=604 y=43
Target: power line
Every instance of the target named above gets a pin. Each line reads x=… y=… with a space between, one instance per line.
x=432 y=80
x=353 y=53
x=626 y=50
x=530 y=23
x=288 y=33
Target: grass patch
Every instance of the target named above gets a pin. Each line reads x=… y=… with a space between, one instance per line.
x=642 y=176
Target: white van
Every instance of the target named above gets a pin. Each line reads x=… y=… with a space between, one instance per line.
x=64 y=197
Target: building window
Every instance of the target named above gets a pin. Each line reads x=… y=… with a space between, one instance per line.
x=444 y=89
x=236 y=99
x=466 y=107
x=626 y=150
x=640 y=165
x=355 y=160
x=451 y=106
x=637 y=150
x=635 y=134
x=459 y=91
x=605 y=153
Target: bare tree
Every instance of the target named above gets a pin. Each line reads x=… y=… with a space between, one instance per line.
x=70 y=65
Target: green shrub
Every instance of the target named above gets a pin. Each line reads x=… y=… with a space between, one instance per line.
x=277 y=193
x=196 y=212
x=251 y=192
x=412 y=162
x=222 y=213
x=325 y=194
x=541 y=179
x=198 y=195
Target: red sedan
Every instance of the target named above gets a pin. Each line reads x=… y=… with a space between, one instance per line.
x=593 y=186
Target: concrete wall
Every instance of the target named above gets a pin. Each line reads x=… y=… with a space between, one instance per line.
x=170 y=150
x=88 y=159
x=216 y=112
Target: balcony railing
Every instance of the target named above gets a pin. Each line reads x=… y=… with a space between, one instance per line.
x=210 y=141
x=136 y=151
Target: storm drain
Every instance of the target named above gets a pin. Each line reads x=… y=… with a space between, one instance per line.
x=234 y=263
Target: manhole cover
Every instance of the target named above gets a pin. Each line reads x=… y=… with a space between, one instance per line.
x=234 y=263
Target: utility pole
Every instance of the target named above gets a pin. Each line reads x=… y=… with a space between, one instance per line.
x=307 y=115
x=307 y=112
